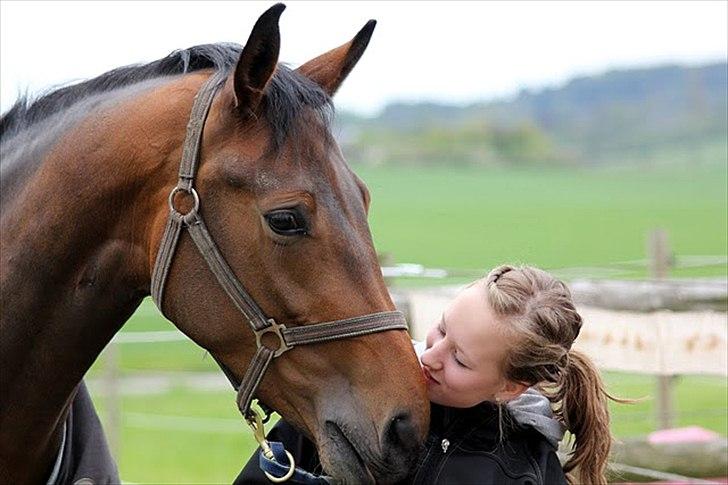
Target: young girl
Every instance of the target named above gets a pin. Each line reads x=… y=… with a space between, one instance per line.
x=504 y=383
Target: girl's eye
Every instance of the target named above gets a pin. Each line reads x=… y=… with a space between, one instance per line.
x=457 y=361
x=440 y=331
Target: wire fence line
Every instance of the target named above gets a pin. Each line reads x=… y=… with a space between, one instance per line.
x=204 y=424
x=611 y=269
x=655 y=474
x=149 y=337
x=111 y=385
x=184 y=423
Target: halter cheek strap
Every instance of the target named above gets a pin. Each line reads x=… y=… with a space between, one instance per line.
x=192 y=221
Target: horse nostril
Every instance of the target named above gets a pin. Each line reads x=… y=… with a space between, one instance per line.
x=401 y=432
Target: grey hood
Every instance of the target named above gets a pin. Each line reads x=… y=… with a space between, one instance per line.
x=532 y=409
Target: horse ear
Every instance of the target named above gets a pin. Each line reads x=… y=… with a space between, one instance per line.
x=258 y=59
x=330 y=69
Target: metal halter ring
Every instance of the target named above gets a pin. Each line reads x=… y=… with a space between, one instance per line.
x=191 y=191
x=274 y=328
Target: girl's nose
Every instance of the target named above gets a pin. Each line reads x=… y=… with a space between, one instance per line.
x=431 y=359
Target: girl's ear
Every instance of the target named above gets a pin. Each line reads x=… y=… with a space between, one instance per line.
x=510 y=390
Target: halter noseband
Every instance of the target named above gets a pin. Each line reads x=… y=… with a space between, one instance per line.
x=260 y=324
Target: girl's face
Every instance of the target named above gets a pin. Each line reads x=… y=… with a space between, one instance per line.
x=465 y=351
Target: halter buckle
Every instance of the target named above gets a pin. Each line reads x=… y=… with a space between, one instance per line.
x=277 y=329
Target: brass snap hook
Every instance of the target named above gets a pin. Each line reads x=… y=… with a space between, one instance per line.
x=255 y=421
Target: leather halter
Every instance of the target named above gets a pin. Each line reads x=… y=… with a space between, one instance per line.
x=260 y=324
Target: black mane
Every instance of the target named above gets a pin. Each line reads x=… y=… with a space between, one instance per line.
x=286 y=94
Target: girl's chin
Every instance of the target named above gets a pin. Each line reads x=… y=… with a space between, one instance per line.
x=437 y=398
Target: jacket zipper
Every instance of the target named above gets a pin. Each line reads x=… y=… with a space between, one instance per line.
x=445 y=443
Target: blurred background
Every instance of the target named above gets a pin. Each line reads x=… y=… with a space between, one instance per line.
x=589 y=139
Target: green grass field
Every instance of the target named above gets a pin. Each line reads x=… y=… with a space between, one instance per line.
x=154 y=448
x=475 y=218
x=468 y=219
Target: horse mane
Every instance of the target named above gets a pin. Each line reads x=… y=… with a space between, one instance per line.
x=287 y=93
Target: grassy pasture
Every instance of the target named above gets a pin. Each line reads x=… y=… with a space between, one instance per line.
x=476 y=218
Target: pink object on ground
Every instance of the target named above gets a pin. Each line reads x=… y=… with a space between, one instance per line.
x=716 y=481
x=691 y=434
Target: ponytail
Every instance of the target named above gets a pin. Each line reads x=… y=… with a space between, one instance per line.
x=581 y=404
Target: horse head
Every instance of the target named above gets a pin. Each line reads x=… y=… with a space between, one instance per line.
x=290 y=218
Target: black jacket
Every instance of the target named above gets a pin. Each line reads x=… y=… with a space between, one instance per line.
x=462 y=447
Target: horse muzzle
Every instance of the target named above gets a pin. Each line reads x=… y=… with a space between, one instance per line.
x=351 y=455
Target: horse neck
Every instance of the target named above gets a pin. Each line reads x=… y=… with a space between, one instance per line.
x=76 y=256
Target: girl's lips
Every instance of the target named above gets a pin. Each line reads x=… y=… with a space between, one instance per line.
x=428 y=376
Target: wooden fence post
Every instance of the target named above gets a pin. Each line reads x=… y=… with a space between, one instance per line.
x=660 y=259
x=665 y=400
x=386 y=259
x=658 y=254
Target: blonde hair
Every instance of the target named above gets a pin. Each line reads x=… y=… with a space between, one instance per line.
x=540 y=315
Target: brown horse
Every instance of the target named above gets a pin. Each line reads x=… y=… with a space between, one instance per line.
x=86 y=171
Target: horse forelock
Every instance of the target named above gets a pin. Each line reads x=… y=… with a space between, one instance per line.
x=292 y=102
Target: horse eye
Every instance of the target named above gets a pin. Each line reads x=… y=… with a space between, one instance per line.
x=286 y=222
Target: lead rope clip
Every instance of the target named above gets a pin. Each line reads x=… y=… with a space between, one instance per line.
x=255 y=421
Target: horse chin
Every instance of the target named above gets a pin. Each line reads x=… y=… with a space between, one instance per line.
x=342 y=460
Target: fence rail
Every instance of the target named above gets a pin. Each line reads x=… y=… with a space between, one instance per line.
x=658 y=343
x=616 y=268
x=149 y=337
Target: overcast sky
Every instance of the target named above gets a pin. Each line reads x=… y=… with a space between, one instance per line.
x=440 y=51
